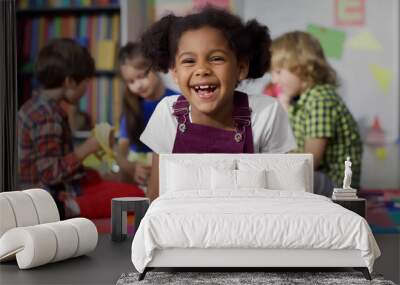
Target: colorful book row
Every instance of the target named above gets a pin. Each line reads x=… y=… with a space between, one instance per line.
x=25 y=4
x=103 y=100
x=100 y=34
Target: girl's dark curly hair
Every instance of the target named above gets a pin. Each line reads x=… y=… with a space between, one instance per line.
x=249 y=41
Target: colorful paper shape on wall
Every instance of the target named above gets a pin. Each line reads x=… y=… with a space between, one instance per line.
x=376 y=125
x=350 y=12
x=364 y=41
x=331 y=40
x=383 y=77
x=381 y=153
x=375 y=135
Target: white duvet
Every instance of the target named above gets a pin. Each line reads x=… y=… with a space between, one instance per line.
x=255 y=218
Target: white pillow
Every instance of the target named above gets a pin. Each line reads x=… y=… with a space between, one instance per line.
x=223 y=179
x=251 y=178
x=282 y=174
x=185 y=175
x=293 y=180
x=237 y=179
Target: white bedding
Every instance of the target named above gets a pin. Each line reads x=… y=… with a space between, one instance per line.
x=252 y=218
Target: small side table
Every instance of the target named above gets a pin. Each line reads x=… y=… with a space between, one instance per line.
x=357 y=205
x=119 y=209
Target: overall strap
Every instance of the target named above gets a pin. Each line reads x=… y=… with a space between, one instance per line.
x=180 y=106
x=241 y=115
x=181 y=112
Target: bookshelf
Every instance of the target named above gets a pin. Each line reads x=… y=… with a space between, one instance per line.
x=51 y=11
x=95 y=24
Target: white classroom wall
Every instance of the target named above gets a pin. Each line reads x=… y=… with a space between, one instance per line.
x=359 y=88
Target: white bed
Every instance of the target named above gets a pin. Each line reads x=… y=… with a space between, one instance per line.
x=247 y=210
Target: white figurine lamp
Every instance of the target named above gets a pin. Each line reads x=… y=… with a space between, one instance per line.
x=346 y=192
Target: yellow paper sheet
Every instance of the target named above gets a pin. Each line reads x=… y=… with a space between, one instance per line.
x=381 y=153
x=364 y=41
x=383 y=77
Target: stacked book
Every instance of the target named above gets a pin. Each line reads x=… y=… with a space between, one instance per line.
x=344 y=194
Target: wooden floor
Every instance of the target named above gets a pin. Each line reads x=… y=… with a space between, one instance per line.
x=389 y=262
x=102 y=266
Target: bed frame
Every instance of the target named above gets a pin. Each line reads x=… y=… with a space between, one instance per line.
x=242 y=259
x=245 y=259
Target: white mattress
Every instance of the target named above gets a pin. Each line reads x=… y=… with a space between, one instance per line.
x=253 y=218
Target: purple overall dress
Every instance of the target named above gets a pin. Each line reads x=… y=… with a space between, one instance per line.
x=194 y=138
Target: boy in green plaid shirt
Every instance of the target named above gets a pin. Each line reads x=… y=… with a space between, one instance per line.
x=321 y=122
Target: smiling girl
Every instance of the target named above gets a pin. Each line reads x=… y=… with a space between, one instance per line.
x=209 y=53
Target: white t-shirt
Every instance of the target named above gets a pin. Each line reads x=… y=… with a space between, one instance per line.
x=270 y=126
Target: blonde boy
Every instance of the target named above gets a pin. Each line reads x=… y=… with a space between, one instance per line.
x=321 y=122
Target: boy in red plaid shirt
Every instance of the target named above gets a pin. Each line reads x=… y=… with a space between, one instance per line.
x=46 y=154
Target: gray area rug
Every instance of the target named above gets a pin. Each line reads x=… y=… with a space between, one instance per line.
x=232 y=278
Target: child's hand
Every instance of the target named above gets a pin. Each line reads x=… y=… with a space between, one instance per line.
x=141 y=173
x=91 y=145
